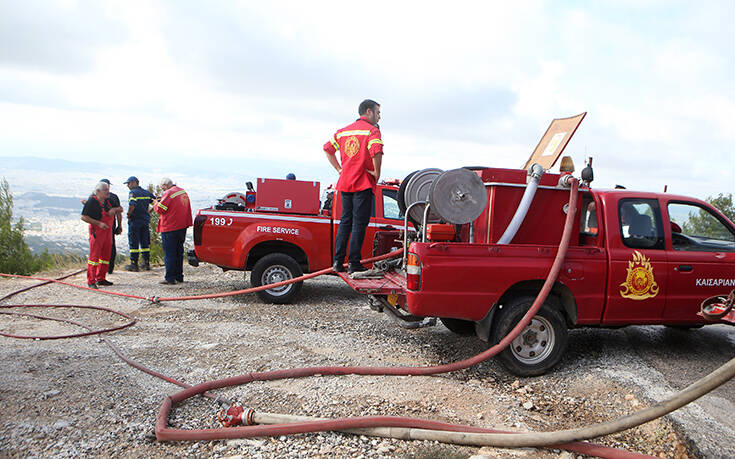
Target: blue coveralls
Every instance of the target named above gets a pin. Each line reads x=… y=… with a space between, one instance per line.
x=139 y=233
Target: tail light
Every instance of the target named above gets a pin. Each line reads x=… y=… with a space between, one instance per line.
x=198 y=225
x=413 y=272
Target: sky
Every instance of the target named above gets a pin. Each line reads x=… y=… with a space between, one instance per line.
x=256 y=88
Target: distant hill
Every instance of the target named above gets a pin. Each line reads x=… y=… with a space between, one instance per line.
x=44 y=200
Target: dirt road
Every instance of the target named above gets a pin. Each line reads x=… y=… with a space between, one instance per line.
x=75 y=397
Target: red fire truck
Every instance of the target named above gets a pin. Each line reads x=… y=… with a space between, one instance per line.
x=635 y=258
x=283 y=231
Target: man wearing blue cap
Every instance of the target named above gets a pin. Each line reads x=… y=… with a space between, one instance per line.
x=139 y=233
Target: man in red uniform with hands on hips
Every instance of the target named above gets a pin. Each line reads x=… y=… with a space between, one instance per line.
x=174 y=211
x=99 y=213
x=361 y=153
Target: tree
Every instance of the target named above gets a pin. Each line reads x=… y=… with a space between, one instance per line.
x=15 y=255
x=724 y=204
x=702 y=223
x=156 y=246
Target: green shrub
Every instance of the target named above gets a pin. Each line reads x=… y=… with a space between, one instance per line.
x=156 y=246
x=15 y=255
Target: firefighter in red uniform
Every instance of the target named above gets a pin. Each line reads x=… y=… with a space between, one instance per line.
x=99 y=213
x=361 y=152
x=174 y=211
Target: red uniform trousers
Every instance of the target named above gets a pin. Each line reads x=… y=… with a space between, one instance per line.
x=100 y=245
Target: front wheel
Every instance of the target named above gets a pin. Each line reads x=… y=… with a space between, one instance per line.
x=539 y=346
x=273 y=268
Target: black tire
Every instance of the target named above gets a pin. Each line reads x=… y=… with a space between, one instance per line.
x=540 y=345
x=272 y=268
x=459 y=326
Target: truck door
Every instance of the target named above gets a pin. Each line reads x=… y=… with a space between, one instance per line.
x=701 y=259
x=637 y=279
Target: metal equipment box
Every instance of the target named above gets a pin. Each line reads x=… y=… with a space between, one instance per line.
x=287 y=196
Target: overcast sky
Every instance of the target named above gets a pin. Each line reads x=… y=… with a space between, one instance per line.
x=260 y=86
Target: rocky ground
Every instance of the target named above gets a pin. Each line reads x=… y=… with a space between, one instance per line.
x=74 y=397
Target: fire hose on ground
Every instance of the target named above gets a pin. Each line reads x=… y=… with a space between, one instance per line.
x=393 y=426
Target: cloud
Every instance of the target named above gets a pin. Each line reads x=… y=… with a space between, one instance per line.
x=58 y=37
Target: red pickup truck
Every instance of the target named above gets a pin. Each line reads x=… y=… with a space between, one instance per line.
x=636 y=258
x=283 y=230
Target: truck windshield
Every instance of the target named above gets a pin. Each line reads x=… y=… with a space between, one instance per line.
x=695 y=228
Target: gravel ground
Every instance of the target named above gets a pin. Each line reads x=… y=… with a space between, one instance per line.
x=74 y=397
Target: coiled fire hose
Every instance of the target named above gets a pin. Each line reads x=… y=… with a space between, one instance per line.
x=407 y=428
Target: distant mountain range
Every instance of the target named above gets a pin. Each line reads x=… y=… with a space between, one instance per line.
x=57 y=202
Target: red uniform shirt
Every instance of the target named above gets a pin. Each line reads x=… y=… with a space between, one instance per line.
x=358 y=143
x=174 y=209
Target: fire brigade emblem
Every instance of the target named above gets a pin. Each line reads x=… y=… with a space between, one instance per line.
x=352 y=145
x=639 y=283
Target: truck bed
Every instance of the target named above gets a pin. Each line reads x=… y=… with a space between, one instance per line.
x=390 y=283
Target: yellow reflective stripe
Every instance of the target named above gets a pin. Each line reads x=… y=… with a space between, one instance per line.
x=334 y=144
x=105 y=262
x=370 y=144
x=162 y=206
x=357 y=132
x=93 y=263
x=145 y=250
x=139 y=198
x=134 y=250
x=180 y=192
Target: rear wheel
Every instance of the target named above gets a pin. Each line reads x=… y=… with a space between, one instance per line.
x=539 y=346
x=272 y=268
x=459 y=326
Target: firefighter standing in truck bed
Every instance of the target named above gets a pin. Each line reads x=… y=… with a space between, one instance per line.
x=139 y=233
x=361 y=156
x=175 y=217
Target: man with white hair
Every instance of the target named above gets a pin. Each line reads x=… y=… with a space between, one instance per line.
x=174 y=211
x=100 y=214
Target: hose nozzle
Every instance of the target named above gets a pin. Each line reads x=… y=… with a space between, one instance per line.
x=236 y=415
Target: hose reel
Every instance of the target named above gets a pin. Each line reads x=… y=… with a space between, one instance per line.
x=456 y=196
x=418 y=185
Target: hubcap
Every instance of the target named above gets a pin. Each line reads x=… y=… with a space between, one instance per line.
x=535 y=342
x=276 y=273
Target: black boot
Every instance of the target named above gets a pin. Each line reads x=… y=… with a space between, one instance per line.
x=133 y=266
x=146 y=265
x=356 y=268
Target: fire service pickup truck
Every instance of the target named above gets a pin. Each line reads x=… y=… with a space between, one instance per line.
x=486 y=239
x=283 y=231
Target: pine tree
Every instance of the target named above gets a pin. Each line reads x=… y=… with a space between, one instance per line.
x=702 y=224
x=156 y=246
x=15 y=255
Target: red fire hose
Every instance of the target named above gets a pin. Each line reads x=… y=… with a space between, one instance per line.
x=165 y=433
